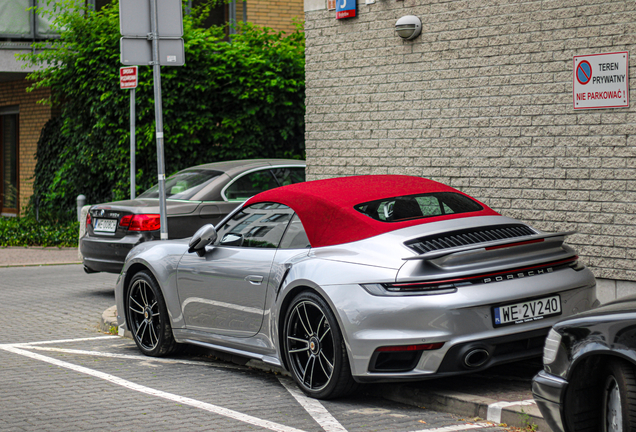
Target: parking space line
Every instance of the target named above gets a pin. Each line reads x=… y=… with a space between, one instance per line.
x=153 y=392
x=128 y=356
x=26 y=344
x=315 y=409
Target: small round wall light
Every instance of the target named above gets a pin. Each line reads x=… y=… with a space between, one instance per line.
x=408 y=27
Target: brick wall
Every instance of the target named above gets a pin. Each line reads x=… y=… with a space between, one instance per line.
x=276 y=14
x=482 y=100
x=32 y=118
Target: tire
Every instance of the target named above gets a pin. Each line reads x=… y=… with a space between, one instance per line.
x=619 y=397
x=315 y=350
x=147 y=317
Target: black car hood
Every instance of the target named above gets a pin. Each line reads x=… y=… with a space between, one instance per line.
x=148 y=206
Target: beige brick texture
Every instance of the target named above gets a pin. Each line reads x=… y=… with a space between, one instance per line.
x=276 y=14
x=31 y=119
x=482 y=100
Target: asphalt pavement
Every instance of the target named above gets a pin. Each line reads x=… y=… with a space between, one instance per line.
x=500 y=395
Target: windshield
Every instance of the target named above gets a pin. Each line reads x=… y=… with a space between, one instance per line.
x=402 y=208
x=184 y=184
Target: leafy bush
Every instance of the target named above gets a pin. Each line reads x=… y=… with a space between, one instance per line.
x=243 y=99
x=29 y=232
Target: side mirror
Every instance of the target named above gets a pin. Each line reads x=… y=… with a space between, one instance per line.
x=203 y=237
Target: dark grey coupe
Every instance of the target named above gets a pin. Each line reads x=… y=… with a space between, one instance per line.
x=195 y=196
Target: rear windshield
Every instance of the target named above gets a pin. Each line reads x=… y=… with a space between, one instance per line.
x=184 y=184
x=402 y=208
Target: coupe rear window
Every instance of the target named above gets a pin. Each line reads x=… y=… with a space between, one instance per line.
x=403 y=208
x=184 y=184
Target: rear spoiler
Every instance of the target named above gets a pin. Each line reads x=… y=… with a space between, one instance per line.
x=488 y=245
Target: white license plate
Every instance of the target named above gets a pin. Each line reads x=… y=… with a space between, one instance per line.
x=528 y=311
x=105 y=225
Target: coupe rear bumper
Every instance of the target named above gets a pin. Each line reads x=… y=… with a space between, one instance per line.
x=107 y=254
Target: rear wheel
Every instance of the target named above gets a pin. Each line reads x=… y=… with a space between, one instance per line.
x=315 y=350
x=619 y=398
x=147 y=316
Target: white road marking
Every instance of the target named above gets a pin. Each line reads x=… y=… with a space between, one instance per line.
x=153 y=392
x=61 y=341
x=494 y=409
x=454 y=428
x=128 y=357
x=313 y=406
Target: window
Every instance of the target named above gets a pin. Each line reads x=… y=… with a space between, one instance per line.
x=287 y=176
x=9 y=163
x=295 y=237
x=260 y=225
x=250 y=184
x=183 y=185
x=402 y=208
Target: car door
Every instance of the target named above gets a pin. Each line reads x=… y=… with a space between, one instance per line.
x=224 y=291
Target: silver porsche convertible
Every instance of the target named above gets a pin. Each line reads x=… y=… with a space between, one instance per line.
x=356 y=279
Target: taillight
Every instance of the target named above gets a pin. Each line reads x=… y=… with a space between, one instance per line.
x=125 y=221
x=89 y=221
x=402 y=348
x=144 y=222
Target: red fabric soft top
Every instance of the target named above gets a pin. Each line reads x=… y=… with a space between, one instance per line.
x=326 y=207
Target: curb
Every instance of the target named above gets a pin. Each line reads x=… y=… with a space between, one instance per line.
x=520 y=414
x=40 y=264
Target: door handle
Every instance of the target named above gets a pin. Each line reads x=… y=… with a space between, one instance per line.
x=254 y=279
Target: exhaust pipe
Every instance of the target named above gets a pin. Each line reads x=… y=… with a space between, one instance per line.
x=476 y=357
x=89 y=271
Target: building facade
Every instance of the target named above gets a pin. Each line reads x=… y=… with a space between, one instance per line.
x=482 y=100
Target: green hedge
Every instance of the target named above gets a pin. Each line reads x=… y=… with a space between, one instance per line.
x=15 y=231
x=232 y=100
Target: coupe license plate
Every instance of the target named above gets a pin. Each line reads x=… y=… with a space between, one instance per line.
x=105 y=225
x=528 y=311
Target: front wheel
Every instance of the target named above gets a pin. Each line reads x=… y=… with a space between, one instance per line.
x=619 y=398
x=147 y=316
x=315 y=350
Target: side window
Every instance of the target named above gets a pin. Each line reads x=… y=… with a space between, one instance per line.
x=260 y=225
x=287 y=176
x=250 y=184
x=295 y=237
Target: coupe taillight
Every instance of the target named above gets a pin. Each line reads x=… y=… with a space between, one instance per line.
x=141 y=222
x=89 y=221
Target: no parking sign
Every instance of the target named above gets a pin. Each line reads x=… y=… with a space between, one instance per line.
x=601 y=81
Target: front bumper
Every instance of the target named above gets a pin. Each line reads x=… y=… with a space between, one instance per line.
x=549 y=392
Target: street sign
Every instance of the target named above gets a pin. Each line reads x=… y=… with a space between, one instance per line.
x=128 y=77
x=345 y=9
x=134 y=18
x=601 y=81
x=139 y=52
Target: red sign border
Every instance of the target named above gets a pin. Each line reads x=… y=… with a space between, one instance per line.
x=626 y=81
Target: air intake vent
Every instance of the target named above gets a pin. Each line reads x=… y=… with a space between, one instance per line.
x=468 y=237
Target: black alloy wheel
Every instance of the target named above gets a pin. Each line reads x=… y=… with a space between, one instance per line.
x=315 y=350
x=147 y=316
x=619 y=397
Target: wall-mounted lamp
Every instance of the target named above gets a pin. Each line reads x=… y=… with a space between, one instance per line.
x=408 y=27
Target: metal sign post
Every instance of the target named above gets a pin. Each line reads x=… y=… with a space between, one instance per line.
x=156 y=75
x=128 y=80
x=152 y=31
